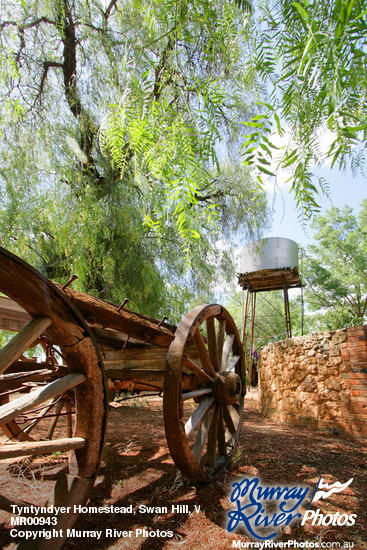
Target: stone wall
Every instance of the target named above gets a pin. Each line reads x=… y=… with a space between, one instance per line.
x=319 y=381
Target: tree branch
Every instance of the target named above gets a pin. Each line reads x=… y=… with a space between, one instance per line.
x=211 y=196
x=109 y=8
x=46 y=66
x=23 y=26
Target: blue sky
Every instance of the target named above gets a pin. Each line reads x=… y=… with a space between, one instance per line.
x=344 y=190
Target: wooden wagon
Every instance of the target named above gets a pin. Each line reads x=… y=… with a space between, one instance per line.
x=57 y=405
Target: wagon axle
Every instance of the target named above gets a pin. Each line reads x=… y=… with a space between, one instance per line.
x=227 y=388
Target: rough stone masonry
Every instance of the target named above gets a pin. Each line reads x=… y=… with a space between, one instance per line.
x=319 y=381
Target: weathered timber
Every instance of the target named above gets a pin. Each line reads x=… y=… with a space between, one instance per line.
x=135 y=353
x=212 y=343
x=145 y=380
x=113 y=339
x=12 y=316
x=203 y=353
x=97 y=312
x=11 y=410
x=221 y=333
x=69 y=331
x=22 y=341
x=208 y=418
x=30 y=448
x=227 y=350
x=135 y=364
x=53 y=424
x=197 y=416
x=11 y=381
x=196 y=370
x=232 y=363
x=197 y=393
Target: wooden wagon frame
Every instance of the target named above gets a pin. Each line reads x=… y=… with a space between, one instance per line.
x=91 y=346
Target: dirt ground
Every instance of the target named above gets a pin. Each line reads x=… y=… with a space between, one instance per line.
x=137 y=469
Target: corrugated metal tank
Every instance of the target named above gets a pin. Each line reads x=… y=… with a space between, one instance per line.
x=270 y=253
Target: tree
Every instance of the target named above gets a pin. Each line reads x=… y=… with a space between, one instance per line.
x=309 y=59
x=335 y=269
x=159 y=78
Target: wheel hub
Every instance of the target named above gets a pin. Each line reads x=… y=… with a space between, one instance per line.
x=228 y=388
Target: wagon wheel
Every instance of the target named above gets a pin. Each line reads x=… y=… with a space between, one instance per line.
x=203 y=423
x=52 y=417
x=80 y=382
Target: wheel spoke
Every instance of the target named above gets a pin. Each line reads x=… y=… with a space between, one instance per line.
x=203 y=353
x=11 y=410
x=221 y=333
x=212 y=439
x=222 y=447
x=227 y=348
x=68 y=419
x=199 y=373
x=198 y=448
x=53 y=423
x=232 y=364
x=203 y=449
x=212 y=343
x=27 y=430
x=41 y=447
x=22 y=341
x=196 y=393
x=231 y=418
x=197 y=416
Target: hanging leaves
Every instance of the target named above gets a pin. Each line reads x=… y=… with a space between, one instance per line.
x=311 y=62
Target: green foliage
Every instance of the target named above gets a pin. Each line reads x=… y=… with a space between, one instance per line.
x=310 y=60
x=180 y=105
x=110 y=161
x=335 y=269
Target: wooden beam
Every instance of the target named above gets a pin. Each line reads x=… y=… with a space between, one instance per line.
x=11 y=410
x=29 y=448
x=22 y=341
x=11 y=381
x=12 y=316
x=133 y=365
x=97 y=312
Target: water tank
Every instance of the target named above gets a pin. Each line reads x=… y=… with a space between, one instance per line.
x=270 y=253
